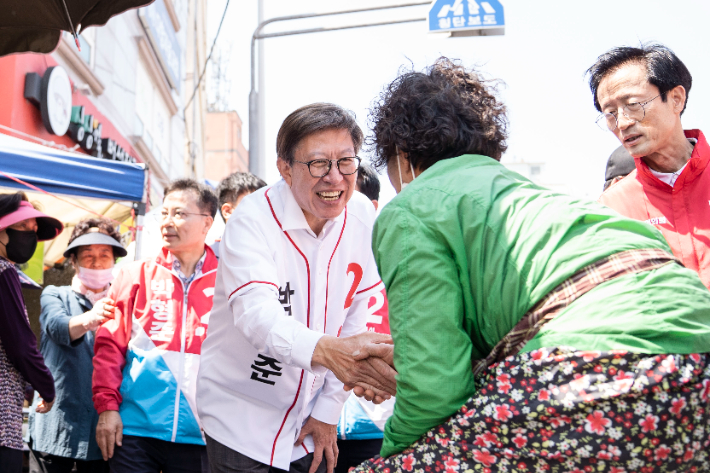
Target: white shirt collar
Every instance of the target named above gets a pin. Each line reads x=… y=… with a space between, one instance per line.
x=670 y=177
x=175 y=264
x=292 y=217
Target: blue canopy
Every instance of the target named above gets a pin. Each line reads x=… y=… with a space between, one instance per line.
x=61 y=172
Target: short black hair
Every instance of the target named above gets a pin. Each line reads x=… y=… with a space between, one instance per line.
x=663 y=68
x=311 y=119
x=619 y=165
x=206 y=198
x=367 y=182
x=236 y=184
x=11 y=202
x=443 y=112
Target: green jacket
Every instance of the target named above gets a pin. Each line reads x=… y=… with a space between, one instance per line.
x=469 y=247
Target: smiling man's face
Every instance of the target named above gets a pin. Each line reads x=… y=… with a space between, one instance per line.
x=656 y=131
x=321 y=198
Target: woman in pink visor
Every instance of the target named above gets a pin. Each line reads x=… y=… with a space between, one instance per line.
x=21 y=227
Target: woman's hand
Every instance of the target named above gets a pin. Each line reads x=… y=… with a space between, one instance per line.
x=43 y=407
x=102 y=311
x=360 y=360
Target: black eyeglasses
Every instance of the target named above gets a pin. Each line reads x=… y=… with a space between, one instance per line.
x=321 y=167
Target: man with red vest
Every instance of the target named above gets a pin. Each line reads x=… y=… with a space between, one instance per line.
x=146 y=359
x=642 y=93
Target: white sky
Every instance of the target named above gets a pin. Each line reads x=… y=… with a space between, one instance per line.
x=547 y=46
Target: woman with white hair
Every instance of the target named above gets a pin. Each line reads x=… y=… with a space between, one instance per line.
x=70 y=315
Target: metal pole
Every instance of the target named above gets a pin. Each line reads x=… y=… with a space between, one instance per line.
x=195 y=73
x=253 y=118
x=261 y=103
x=139 y=208
x=335 y=28
x=256 y=164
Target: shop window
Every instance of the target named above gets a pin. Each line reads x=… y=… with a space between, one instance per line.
x=152 y=118
x=138 y=127
x=148 y=139
x=159 y=156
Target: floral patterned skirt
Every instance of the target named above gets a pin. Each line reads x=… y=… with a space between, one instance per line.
x=561 y=410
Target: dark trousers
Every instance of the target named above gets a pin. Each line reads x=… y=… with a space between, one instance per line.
x=10 y=460
x=225 y=460
x=353 y=452
x=46 y=463
x=149 y=455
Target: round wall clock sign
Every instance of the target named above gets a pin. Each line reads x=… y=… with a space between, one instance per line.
x=55 y=103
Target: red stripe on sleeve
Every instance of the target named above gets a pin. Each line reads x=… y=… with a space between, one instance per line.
x=253 y=282
x=371 y=287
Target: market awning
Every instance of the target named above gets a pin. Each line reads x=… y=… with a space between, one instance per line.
x=79 y=187
x=61 y=172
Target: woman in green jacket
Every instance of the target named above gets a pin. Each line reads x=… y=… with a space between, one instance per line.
x=533 y=331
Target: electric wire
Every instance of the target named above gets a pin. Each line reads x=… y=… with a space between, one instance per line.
x=197 y=86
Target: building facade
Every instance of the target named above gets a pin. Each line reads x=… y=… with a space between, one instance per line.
x=127 y=94
x=224 y=151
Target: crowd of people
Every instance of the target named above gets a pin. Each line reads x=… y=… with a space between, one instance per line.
x=481 y=322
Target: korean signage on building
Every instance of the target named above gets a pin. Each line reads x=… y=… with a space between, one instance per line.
x=52 y=94
x=156 y=21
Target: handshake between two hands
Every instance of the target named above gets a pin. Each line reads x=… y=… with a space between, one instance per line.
x=363 y=362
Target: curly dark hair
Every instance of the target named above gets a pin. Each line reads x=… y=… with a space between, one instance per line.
x=104 y=226
x=441 y=113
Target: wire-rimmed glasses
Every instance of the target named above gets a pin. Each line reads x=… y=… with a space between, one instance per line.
x=635 y=111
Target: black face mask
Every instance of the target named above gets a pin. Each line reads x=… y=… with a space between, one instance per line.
x=21 y=245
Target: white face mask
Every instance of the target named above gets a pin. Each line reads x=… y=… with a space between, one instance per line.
x=402 y=185
x=95 y=278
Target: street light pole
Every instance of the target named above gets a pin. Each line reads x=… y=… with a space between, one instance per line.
x=256 y=161
x=260 y=96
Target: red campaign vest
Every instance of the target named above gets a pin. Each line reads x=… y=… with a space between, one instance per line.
x=681 y=212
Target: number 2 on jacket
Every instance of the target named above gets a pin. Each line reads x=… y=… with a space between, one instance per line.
x=357 y=272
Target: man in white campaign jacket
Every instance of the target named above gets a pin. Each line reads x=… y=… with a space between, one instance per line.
x=290 y=307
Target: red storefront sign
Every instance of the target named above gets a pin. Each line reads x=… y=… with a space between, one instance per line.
x=20 y=114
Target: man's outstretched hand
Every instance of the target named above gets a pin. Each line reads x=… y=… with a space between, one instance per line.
x=373 y=351
x=363 y=361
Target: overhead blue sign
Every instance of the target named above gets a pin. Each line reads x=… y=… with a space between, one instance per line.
x=465 y=15
x=156 y=21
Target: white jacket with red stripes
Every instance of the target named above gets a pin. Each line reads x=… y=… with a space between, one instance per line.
x=279 y=289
